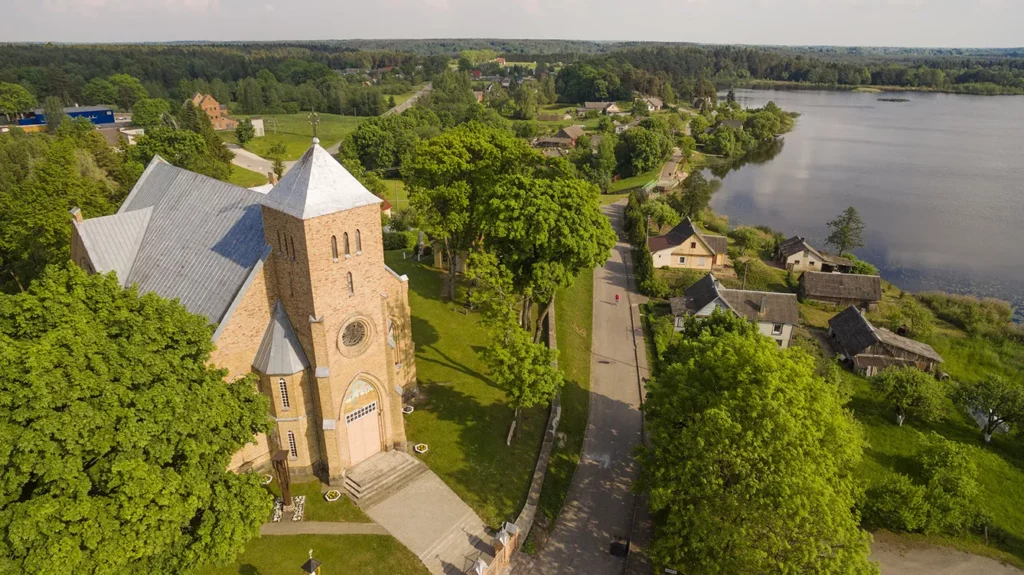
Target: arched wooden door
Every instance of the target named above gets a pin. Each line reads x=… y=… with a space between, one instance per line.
x=362 y=421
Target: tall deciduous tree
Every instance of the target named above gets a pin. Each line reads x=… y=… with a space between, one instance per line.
x=129 y=90
x=244 y=132
x=1000 y=401
x=909 y=389
x=750 y=459
x=149 y=113
x=695 y=196
x=15 y=100
x=53 y=110
x=118 y=434
x=846 y=232
x=522 y=369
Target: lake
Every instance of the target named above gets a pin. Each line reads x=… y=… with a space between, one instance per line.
x=938 y=181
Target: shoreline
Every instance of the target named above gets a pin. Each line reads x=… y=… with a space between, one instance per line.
x=865 y=88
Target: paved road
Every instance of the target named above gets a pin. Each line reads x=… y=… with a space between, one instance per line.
x=408 y=103
x=599 y=506
x=250 y=161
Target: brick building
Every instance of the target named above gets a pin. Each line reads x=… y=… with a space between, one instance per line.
x=215 y=111
x=295 y=281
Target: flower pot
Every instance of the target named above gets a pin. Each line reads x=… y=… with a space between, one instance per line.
x=420 y=448
x=332 y=495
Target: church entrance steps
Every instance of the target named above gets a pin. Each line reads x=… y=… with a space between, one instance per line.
x=381 y=475
x=428 y=518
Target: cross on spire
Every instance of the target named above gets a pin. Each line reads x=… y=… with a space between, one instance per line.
x=314 y=119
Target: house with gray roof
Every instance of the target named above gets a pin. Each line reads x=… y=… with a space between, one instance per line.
x=796 y=255
x=686 y=246
x=292 y=280
x=776 y=314
x=870 y=349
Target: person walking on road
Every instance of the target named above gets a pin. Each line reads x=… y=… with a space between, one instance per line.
x=616 y=299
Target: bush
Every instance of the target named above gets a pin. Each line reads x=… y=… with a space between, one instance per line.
x=714 y=222
x=979 y=316
x=525 y=129
x=862 y=267
x=897 y=504
x=655 y=287
x=752 y=240
x=683 y=280
x=399 y=240
x=758 y=275
x=663 y=331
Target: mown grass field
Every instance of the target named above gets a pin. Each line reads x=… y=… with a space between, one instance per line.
x=296 y=133
x=285 y=554
x=461 y=416
x=574 y=310
x=246 y=178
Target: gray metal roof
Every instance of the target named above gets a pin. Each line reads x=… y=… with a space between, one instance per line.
x=113 y=243
x=280 y=352
x=202 y=239
x=318 y=185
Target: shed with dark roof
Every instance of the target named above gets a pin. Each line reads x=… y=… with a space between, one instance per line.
x=871 y=349
x=863 y=291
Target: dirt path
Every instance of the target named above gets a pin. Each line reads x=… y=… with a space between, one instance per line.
x=897 y=558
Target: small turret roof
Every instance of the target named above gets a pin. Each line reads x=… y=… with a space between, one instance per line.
x=280 y=352
x=318 y=185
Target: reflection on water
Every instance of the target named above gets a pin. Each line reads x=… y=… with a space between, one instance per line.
x=938 y=180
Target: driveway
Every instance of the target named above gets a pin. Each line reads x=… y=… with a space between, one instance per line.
x=599 y=506
x=245 y=159
x=896 y=558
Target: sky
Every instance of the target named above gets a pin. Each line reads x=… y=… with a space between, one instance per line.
x=916 y=23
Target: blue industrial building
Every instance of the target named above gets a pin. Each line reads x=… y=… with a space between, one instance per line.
x=95 y=114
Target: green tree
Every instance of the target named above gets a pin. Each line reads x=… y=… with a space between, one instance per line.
x=15 y=100
x=731 y=96
x=694 y=197
x=911 y=314
x=149 y=113
x=698 y=125
x=129 y=90
x=108 y=468
x=53 y=109
x=762 y=126
x=522 y=369
x=525 y=101
x=660 y=213
x=250 y=96
x=846 y=232
x=391 y=102
x=99 y=91
x=245 y=132
x=276 y=154
x=640 y=150
x=909 y=389
x=750 y=458
x=183 y=148
x=999 y=400
x=547 y=89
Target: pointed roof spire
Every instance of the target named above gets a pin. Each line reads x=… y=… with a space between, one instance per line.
x=280 y=352
x=318 y=185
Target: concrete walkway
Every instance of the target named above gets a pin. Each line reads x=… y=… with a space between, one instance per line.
x=245 y=159
x=321 y=528
x=431 y=521
x=599 y=507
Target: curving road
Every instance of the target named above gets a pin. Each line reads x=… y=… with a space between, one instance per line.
x=599 y=507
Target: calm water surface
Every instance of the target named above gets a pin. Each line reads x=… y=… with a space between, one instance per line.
x=938 y=180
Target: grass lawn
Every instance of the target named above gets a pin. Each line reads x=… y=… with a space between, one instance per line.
x=1000 y=465
x=396 y=194
x=363 y=554
x=319 y=509
x=638 y=181
x=460 y=415
x=573 y=321
x=246 y=178
x=400 y=98
x=295 y=132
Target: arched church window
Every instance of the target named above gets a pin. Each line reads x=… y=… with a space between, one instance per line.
x=285 y=401
x=345 y=239
x=351 y=285
x=292 y=447
x=359 y=242
x=334 y=247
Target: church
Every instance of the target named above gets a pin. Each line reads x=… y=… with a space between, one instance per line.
x=293 y=277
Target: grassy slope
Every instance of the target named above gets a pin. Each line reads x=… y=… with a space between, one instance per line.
x=574 y=321
x=295 y=132
x=400 y=98
x=246 y=178
x=364 y=554
x=397 y=194
x=461 y=416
